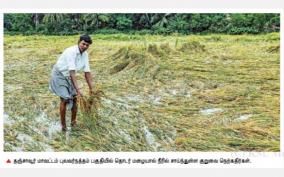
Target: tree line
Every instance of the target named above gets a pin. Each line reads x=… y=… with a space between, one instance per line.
x=140 y=23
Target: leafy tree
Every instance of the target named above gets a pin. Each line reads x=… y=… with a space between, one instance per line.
x=123 y=22
x=53 y=22
x=179 y=23
x=19 y=22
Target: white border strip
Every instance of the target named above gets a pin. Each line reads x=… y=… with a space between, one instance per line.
x=1 y=82
x=136 y=10
x=120 y=4
x=281 y=83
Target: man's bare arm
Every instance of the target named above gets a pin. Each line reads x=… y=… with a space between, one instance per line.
x=88 y=78
x=74 y=82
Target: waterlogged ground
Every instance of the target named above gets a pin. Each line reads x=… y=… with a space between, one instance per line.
x=161 y=93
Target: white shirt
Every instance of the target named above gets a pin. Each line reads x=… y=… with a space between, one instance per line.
x=72 y=59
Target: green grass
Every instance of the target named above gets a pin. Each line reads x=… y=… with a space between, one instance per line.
x=156 y=93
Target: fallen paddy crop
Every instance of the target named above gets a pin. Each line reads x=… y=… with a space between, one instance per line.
x=186 y=93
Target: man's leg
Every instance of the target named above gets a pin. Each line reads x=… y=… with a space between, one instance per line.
x=74 y=113
x=63 y=104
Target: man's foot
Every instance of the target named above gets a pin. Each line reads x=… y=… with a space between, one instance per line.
x=73 y=124
x=64 y=129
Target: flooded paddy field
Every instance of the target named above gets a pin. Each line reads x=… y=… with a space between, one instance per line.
x=160 y=93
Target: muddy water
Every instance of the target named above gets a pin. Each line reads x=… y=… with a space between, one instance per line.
x=125 y=135
x=244 y=117
x=24 y=138
x=12 y=88
x=8 y=120
x=150 y=138
x=49 y=126
x=43 y=128
x=155 y=99
x=210 y=111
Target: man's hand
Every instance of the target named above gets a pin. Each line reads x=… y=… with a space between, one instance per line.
x=79 y=93
x=91 y=92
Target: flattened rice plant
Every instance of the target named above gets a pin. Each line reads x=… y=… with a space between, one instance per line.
x=89 y=108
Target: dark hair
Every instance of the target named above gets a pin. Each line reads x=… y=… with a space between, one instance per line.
x=86 y=38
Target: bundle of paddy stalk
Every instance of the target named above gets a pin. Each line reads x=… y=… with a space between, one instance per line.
x=88 y=106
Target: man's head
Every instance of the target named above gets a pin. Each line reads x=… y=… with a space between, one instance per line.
x=84 y=42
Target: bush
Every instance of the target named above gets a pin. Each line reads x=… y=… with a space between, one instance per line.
x=107 y=31
x=160 y=30
x=144 y=32
x=243 y=30
x=123 y=23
